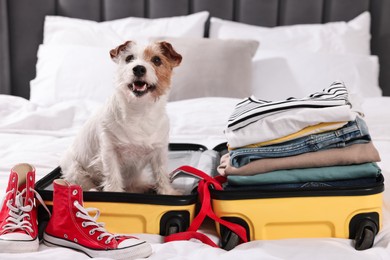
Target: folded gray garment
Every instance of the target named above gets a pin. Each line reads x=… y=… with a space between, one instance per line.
x=205 y=161
x=331 y=173
x=354 y=154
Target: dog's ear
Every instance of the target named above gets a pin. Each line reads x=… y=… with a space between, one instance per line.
x=169 y=52
x=114 y=53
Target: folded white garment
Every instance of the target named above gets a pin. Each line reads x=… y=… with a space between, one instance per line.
x=287 y=122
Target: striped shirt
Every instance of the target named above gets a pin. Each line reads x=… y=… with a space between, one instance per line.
x=252 y=109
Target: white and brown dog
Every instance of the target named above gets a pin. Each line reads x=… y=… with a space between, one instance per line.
x=129 y=136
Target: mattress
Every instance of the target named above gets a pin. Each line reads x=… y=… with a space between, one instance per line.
x=39 y=135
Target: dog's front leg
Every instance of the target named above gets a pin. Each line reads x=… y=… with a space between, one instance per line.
x=160 y=171
x=112 y=177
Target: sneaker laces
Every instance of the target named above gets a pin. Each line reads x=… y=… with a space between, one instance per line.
x=18 y=214
x=83 y=213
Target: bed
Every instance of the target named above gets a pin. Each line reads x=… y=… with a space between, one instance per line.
x=273 y=49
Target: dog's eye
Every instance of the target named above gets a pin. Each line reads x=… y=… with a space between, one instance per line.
x=156 y=60
x=129 y=58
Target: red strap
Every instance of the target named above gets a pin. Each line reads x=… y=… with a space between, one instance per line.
x=205 y=183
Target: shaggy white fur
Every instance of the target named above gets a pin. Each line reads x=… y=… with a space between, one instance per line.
x=129 y=135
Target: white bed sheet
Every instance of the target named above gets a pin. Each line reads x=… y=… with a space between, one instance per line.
x=39 y=135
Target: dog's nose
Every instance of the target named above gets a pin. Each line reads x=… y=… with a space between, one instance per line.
x=139 y=70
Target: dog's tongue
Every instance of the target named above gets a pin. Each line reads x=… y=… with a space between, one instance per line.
x=140 y=85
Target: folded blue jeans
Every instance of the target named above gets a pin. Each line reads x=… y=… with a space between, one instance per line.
x=352 y=133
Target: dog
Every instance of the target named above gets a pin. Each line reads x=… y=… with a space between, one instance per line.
x=128 y=137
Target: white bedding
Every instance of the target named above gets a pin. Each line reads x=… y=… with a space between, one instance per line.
x=39 y=135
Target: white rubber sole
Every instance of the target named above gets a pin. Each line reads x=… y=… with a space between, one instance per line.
x=19 y=246
x=141 y=250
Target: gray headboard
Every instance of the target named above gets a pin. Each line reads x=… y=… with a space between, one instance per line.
x=21 y=24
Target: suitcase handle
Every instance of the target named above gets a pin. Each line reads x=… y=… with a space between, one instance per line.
x=206 y=182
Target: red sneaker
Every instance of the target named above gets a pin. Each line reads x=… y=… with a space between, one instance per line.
x=71 y=226
x=18 y=215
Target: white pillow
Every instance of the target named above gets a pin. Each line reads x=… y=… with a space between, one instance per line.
x=351 y=37
x=298 y=60
x=74 y=61
x=65 y=30
x=297 y=74
x=71 y=72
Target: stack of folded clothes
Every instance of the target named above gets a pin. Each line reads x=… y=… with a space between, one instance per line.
x=318 y=140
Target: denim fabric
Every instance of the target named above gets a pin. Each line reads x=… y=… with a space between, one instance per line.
x=352 y=133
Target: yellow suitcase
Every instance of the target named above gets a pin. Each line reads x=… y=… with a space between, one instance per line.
x=354 y=213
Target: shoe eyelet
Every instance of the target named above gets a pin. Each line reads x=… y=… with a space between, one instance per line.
x=65 y=236
x=99 y=238
x=75 y=203
x=83 y=224
x=75 y=240
x=77 y=214
x=107 y=242
x=91 y=232
x=74 y=192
